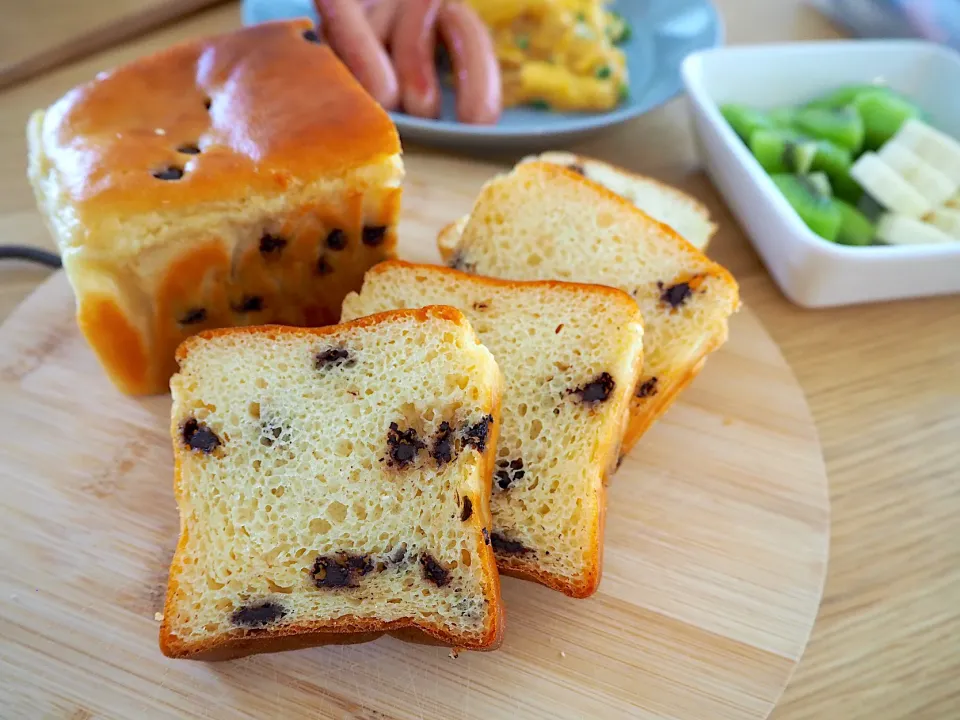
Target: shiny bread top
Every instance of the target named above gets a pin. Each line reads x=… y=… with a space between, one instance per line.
x=259 y=111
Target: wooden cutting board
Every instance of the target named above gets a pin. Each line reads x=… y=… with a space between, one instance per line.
x=43 y=34
x=716 y=549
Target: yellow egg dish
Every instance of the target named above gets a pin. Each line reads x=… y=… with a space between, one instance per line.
x=559 y=54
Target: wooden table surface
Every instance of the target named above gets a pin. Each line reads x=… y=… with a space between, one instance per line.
x=883 y=382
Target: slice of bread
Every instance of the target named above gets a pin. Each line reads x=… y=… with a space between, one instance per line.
x=685 y=214
x=571 y=356
x=543 y=221
x=334 y=484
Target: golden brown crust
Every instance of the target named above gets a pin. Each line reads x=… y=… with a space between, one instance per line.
x=564 y=285
x=283 y=111
x=348 y=629
x=645 y=412
x=442 y=312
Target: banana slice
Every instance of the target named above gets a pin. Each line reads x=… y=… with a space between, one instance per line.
x=926 y=179
x=947 y=219
x=888 y=187
x=932 y=146
x=901 y=230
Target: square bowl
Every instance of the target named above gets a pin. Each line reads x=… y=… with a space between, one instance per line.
x=813 y=272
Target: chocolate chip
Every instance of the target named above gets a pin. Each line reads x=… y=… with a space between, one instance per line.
x=467 y=509
x=486 y=537
x=648 y=388
x=434 y=571
x=169 y=173
x=397 y=556
x=336 y=239
x=270 y=244
x=207 y=102
x=374 y=235
x=255 y=616
x=444 y=446
x=675 y=295
x=510 y=472
x=578 y=169
x=311 y=36
x=476 y=435
x=597 y=390
x=508 y=547
x=189 y=149
x=459 y=262
x=199 y=437
x=340 y=570
x=193 y=316
x=250 y=303
x=323 y=267
x=403 y=445
x=334 y=357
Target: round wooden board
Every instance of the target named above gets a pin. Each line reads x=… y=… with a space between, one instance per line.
x=716 y=550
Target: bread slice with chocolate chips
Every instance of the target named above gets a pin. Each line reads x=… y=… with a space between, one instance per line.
x=571 y=357
x=665 y=203
x=543 y=221
x=333 y=485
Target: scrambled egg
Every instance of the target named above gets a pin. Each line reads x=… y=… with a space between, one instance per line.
x=558 y=54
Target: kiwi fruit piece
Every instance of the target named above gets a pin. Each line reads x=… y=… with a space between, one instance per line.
x=843 y=96
x=841 y=126
x=855 y=228
x=882 y=114
x=836 y=161
x=814 y=207
x=782 y=152
x=783 y=117
x=746 y=120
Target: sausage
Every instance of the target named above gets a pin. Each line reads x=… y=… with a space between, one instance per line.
x=479 y=92
x=381 y=14
x=412 y=45
x=351 y=37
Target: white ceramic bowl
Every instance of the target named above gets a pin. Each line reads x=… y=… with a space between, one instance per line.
x=811 y=271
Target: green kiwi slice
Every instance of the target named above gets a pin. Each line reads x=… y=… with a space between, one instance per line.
x=841 y=126
x=780 y=151
x=855 y=228
x=746 y=120
x=816 y=209
x=882 y=114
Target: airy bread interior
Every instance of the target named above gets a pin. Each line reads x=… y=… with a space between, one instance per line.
x=571 y=356
x=312 y=494
x=664 y=203
x=542 y=221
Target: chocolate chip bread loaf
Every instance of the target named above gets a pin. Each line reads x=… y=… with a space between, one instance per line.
x=571 y=357
x=234 y=180
x=334 y=484
x=544 y=221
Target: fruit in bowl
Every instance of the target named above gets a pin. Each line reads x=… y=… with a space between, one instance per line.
x=859 y=166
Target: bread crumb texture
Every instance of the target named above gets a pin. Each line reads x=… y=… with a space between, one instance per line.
x=542 y=221
x=333 y=480
x=571 y=355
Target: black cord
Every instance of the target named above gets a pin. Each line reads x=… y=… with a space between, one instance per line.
x=30 y=254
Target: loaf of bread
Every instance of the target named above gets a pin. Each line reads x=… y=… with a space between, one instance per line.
x=571 y=356
x=685 y=214
x=234 y=180
x=543 y=221
x=334 y=484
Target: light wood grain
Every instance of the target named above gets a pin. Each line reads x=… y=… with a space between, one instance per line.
x=716 y=548
x=38 y=36
x=882 y=381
